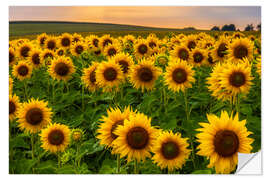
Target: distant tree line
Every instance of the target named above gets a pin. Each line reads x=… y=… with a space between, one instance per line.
x=231 y=27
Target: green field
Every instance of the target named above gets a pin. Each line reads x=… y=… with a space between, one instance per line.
x=31 y=29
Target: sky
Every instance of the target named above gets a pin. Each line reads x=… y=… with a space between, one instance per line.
x=200 y=17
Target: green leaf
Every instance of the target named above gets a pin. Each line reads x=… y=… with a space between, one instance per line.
x=206 y=171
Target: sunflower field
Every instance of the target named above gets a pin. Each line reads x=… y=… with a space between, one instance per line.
x=185 y=103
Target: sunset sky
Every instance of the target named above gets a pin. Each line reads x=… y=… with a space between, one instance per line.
x=200 y=17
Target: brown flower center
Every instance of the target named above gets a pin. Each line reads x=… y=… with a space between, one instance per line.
x=183 y=54
x=60 y=52
x=110 y=74
x=97 y=52
x=79 y=49
x=24 y=51
x=61 y=69
x=11 y=57
x=170 y=150
x=145 y=74
x=51 y=45
x=42 y=40
x=111 y=51
x=221 y=50
x=137 y=138
x=240 y=52
x=23 y=70
x=114 y=126
x=210 y=59
x=226 y=143
x=56 y=137
x=65 y=42
x=124 y=66
x=12 y=107
x=95 y=42
x=48 y=55
x=179 y=75
x=106 y=42
x=34 y=116
x=237 y=79
x=198 y=57
x=191 y=45
x=142 y=49
x=36 y=59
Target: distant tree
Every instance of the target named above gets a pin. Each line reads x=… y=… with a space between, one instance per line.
x=259 y=27
x=230 y=27
x=249 y=27
x=190 y=28
x=215 y=28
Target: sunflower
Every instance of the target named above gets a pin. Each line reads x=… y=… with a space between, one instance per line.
x=198 y=56
x=12 y=56
x=61 y=68
x=240 y=48
x=152 y=42
x=142 y=49
x=34 y=115
x=109 y=75
x=65 y=40
x=60 y=52
x=161 y=59
x=89 y=77
x=181 y=52
x=238 y=35
x=76 y=37
x=237 y=78
x=170 y=150
x=110 y=122
x=111 y=50
x=210 y=60
x=190 y=41
x=251 y=37
x=219 y=52
x=135 y=137
x=14 y=106
x=221 y=139
x=50 y=43
x=93 y=41
x=34 y=58
x=77 y=48
x=47 y=55
x=24 y=49
x=130 y=39
x=179 y=75
x=125 y=61
x=55 y=137
x=10 y=84
x=41 y=39
x=105 y=40
x=144 y=74
x=77 y=135
x=22 y=70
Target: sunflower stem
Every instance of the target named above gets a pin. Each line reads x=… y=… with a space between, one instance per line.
x=135 y=166
x=32 y=145
x=59 y=159
x=190 y=135
x=82 y=98
x=118 y=164
x=25 y=90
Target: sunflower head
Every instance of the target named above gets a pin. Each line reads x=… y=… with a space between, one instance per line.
x=34 y=58
x=34 y=115
x=109 y=75
x=219 y=52
x=12 y=56
x=10 y=84
x=65 y=40
x=47 y=55
x=60 y=52
x=142 y=49
x=111 y=49
x=144 y=74
x=179 y=75
x=14 y=106
x=55 y=137
x=22 y=70
x=93 y=41
x=239 y=49
x=170 y=150
x=24 y=49
x=41 y=39
x=181 y=52
x=77 y=135
x=78 y=48
x=105 y=40
x=190 y=41
x=76 y=38
x=198 y=56
x=135 y=137
x=89 y=77
x=221 y=139
x=51 y=43
x=125 y=61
